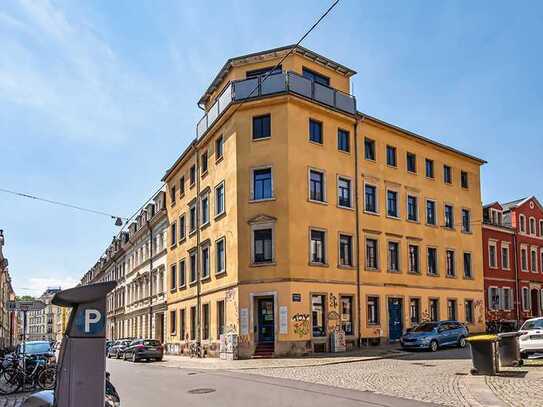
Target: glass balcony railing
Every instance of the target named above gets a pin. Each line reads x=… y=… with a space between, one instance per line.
x=274 y=84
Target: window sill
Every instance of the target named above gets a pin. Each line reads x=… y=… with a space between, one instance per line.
x=317 y=202
x=192 y=185
x=448 y=228
x=432 y=275
x=414 y=273
x=416 y=222
x=172 y=246
x=467 y=232
x=205 y=225
x=219 y=216
x=316 y=143
x=262 y=200
x=430 y=178
x=182 y=240
x=173 y=290
x=219 y=159
x=181 y=196
x=172 y=204
x=261 y=138
x=393 y=167
x=411 y=172
x=467 y=278
x=348 y=152
x=371 y=213
x=452 y=277
x=370 y=160
x=263 y=264
x=345 y=267
x=193 y=283
x=394 y=271
x=220 y=273
x=204 y=174
x=318 y=264
x=349 y=208
x=205 y=279
x=372 y=270
x=192 y=233
x=182 y=287
x=393 y=217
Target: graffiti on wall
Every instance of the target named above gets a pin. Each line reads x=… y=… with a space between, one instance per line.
x=332 y=300
x=301 y=324
x=333 y=320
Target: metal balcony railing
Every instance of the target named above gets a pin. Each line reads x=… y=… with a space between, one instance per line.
x=274 y=84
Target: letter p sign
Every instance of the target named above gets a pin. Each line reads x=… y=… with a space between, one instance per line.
x=92 y=316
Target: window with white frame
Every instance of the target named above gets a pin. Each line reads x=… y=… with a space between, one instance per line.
x=262 y=245
x=505 y=257
x=541 y=228
x=492 y=255
x=522 y=223
x=317 y=247
x=533 y=230
x=317 y=188
x=192 y=217
x=412 y=208
x=345 y=250
x=220 y=256
x=204 y=208
x=205 y=260
x=219 y=199
x=493 y=298
x=525 y=298
x=533 y=260
x=344 y=192
x=524 y=259
x=393 y=257
x=370 y=198
x=262 y=184
x=507 y=298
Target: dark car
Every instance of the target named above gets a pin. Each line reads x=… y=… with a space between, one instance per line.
x=433 y=335
x=116 y=351
x=148 y=349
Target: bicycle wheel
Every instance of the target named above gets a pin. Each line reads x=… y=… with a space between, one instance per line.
x=47 y=378
x=11 y=380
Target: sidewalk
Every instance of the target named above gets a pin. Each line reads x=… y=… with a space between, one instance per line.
x=14 y=400
x=321 y=359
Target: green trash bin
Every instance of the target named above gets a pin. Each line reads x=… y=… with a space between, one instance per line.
x=509 y=349
x=484 y=354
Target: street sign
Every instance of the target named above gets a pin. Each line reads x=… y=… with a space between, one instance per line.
x=25 y=305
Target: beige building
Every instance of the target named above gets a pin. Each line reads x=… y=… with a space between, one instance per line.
x=9 y=327
x=42 y=324
x=293 y=215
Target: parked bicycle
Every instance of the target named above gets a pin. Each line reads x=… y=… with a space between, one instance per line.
x=37 y=373
x=196 y=350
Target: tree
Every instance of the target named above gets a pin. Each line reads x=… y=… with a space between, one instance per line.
x=24 y=298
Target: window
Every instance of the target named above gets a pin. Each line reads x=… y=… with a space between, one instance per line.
x=371 y=254
x=373 y=310
x=263 y=72
x=391 y=156
x=447 y=174
x=467 y=265
x=192 y=217
x=369 y=149
x=466 y=220
x=464 y=179
x=192 y=323
x=182 y=227
x=412 y=208
x=317 y=311
x=524 y=259
x=449 y=217
x=434 y=309
x=541 y=228
x=468 y=307
x=192 y=175
x=220 y=253
x=414 y=311
x=532 y=226
x=393 y=257
x=182 y=273
x=315 y=77
x=450 y=263
x=346 y=308
x=430 y=212
x=493 y=298
x=205 y=261
x=203 y=163
x=318 y=249
x=343 y=140
x=533 y=260
x=173 y=233
x=173 y=322
x=451 y=310
x=370 y=198
x=492 y=261
x=173 y=277
x=392 y=204
x=219 y=199
x=430 y=168
x=219 y=147
x=525 y=299
x=172 y=194
x=262 y=184
x=414 y=259
x=193 y=271
x=505 y=257
x=262 y=245
x=261 y=127
x=182 y=324
x=205 y=321
x=315 y=131
x=316 y=186
x=507 y=298
x=411 y=162
x=432 y=261
x=204 y=202
x=221 y=320
x=522 y=221
x=345 y=250
x=182 y=186
x=344 y=192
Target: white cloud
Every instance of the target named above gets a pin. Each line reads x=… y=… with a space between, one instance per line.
x=37 y=285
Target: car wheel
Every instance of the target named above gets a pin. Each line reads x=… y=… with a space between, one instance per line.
x=117 y=356
x=462 y=342
x=134 y=359
x=159 y=359
x=434 y=346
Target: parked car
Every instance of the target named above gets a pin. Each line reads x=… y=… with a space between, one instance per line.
x=35 y=350
x=433 y=335
x=531 y=338
x=116 y=351
x=144 y=349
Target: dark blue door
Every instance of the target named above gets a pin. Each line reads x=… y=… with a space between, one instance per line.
x=395 y=322
x=266 y=325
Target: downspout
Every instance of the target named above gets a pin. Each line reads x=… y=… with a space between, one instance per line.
x=198 y=272
x=151 y=278
x=517 y=285
x=357 y=223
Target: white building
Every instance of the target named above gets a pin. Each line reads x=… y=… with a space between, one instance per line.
x=42 y=324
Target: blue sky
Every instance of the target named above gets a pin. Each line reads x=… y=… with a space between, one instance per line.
x=98 y=98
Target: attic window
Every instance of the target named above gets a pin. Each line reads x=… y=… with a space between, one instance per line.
x=263 y=71
x=315 y=77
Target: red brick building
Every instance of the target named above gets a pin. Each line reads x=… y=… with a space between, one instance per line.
x=513 y=260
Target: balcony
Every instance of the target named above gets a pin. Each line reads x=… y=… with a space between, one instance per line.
x=283 y=82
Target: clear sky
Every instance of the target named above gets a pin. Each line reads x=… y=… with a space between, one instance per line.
x=98 y=98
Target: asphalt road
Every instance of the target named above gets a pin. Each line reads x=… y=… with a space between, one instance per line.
x=150 y=385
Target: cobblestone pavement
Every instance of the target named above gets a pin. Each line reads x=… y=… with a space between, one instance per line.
x=14 y=400
x=441 y=378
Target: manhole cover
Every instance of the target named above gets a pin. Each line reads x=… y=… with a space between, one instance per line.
x=191 y=374
x=201 y=391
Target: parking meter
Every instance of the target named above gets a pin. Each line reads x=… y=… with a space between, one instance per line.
x=81 y=370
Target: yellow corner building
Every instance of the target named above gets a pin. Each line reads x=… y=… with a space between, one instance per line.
x=293 y=215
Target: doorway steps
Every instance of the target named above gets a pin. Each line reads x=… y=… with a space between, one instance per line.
x=264 y=350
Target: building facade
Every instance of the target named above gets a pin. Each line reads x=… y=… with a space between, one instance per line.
x=9 y=328
x=42 y=324
x=292 y=215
